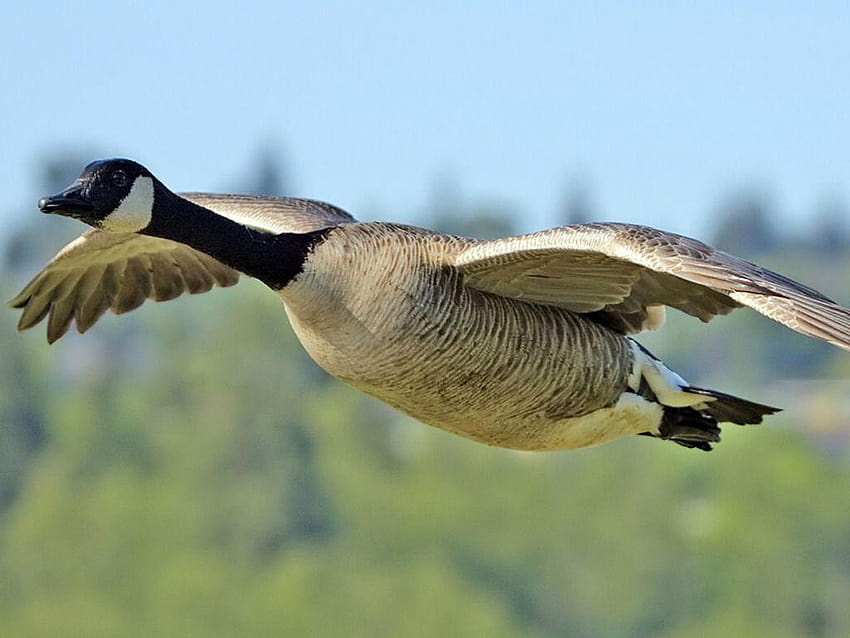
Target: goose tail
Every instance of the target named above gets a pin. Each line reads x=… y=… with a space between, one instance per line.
x=698 y=426
x=691 y=415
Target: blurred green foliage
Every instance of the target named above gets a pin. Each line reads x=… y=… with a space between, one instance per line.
x=186 y=470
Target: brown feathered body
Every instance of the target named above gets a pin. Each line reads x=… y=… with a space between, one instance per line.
x=380 y=307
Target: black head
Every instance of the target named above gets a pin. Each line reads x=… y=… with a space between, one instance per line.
x=112 y=194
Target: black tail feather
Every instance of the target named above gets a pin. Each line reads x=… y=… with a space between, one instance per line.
x=726 y=408
x=698 y=427
x=689 y=427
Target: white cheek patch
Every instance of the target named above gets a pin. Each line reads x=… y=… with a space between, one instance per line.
x=135 y=210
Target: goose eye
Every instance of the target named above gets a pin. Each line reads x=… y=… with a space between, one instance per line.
x=119 y=177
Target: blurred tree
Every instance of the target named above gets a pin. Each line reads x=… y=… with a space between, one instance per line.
x=268 y=174
x=447 y=212
x=23 y=418
x=831 y=229
x=745 y=225
x=577 y=205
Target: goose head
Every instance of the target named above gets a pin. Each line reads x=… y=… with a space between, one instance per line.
x=115 y=195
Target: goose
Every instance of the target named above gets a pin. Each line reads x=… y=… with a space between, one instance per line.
x=523 y=342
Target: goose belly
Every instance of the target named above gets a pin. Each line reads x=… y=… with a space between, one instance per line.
x=485 y=367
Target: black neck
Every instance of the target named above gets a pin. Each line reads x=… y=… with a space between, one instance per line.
x=273 y=259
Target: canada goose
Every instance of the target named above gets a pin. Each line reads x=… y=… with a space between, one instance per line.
x=521 y=342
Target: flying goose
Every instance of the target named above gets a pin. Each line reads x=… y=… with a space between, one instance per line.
x=522 y=342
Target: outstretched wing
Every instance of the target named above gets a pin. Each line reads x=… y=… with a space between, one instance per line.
x=625 y=275
x=102 y=271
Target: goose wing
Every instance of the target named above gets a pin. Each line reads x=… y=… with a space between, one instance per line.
x=102 y=271
x=273 y=214
x=115 y=271
x=624 y=275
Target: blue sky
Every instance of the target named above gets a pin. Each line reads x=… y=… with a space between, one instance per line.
x=660 y=109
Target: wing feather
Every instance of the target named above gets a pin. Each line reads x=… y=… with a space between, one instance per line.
x=273 y=214
x=622 y=274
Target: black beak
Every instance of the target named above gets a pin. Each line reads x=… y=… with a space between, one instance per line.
x=69 y=202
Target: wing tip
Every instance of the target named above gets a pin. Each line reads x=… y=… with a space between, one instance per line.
x=18 y=301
